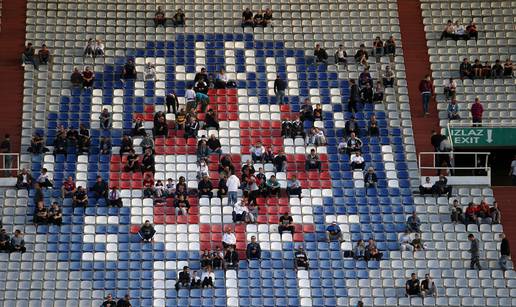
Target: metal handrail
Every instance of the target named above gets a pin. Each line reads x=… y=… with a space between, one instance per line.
x=14 y=162
x=453 y=154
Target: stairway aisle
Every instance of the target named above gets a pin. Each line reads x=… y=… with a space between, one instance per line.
x=12 y=40
x=506 y=201
x=417 y=65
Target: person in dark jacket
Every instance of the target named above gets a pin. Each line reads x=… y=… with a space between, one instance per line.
x=183 y=279
x=172 y=102
x=280 y=86
x=505 y=252
x=204 y=187
x=474 y=250
x=426 y=88
x=321 y=56
x=370 y=178
x=99 y=189
x=231 y=258
x=354 y=96
x=253 y=251
x=146 y=231
x=124 y=302
x=210 y=120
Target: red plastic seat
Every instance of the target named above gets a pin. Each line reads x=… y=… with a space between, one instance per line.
x=135 y=228
x=159 y=219
x=204 y=228
x=298 y=237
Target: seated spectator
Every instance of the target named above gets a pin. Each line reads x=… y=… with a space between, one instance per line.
x=129 y=70
x=292 y=129
x=306 y=111
x=405 y=242
x=258 y=20
x=148 y=162
x=267 y=16
x=229 y=238
x=320 y=54
x=449 y=31
x=359 y=250
x=206 y=259
x=413 y=223
x=99 y=48
x=159 y=191
x=105 y=119
x=182 y=205
x=222 y=81
x=378 y=47
x=207 y=278
x=76 y=77
x=486 y=70
x=428 y=287
x=379 y=92
x=28 y=56
x=170 y=188
x=412 y=286
x=17 y=242
x=366 y=94
x=231 y=258
x=83 y=141
x=508 y=68
x=390 y=46
x=147 y=232
x=253 y=250
x=24 y=180
x=280 y=162
x=80 y=197
x=109 y=302
x=114 y=198
x=465 y=69
x=68 y=187
x=477 y=71
x=5 y=241
x=268 y=155
x=340 y=56
x=333 y=231
x=191 y=128
x=361 y=56
x=105 y=145
x=372 y=251
x=159 y=17
x=100 y=189
x=257 y=152
x=44 y=180
x=417 y=243
x=183 y=279
x=210 y=120
x=313 y=162
x=426 y=187
x=357 y=161
x=239 y=212
x=456 y=213
x=373 y=129
x=351 y=126
x=148 y=186
x=247 y=18
x=201 y=86
x=353 y=144
x=294 y=187
x=179 y=18
x=37 y=145
x=214 y=146
x=471 y=30
x=124 y=302
x=286 y=223
x=273 y=186
x=139 y=128
x=195 y=283
x=40 y=214
x=453 y=110
x=222 y=188
x=364 y=78
x=147 y=144
x=202 y=151
x=89 y=49
x=318 y=112
x=450 y=88
x=132 y=164
x=205 y=187
x=60 y=145
x=218 y=259
x=43 y=55
x=484 y=212
x=495 y=213
x=370 y=178
x=460 y=31
x=300 y=259
x=88 y=76
x=388 y=77
x=497 y=69
x=316 y=137
x=441 y=187
x=471 y=214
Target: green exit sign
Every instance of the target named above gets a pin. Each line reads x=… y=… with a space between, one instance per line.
x=483 y=136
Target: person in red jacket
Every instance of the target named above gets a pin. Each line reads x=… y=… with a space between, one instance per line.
x=426 y=88
x=476 y=113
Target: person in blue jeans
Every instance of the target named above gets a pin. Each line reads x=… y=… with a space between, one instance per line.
x=426 y=89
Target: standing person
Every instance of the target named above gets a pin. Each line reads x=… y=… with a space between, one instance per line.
x=512 y=172
x=505 y=252
x=280 y=86
x=426 y=88
x=476 y=113
x=233 y=184
x=354 y=96
x=172 y=102
x=5 y=147
x=475 y=252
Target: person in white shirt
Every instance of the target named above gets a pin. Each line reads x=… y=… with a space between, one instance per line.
x=450 y=88
x=229 y=238
x=460 y=31
x=239 y=212
x=340 y=56
x=208 y=278
x=149 y=72
x=202 y=169
x=99 y=48
x=357 y=161
x=317 y=137
x=191 y=102
x=233 y=185
x=114 y=198
x=44 y=179
x=343 y=145
x=405 y=242
x=426 y=187
x=257 y=152
x=170 y=187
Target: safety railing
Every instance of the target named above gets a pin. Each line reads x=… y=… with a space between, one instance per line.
x=9 y=164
